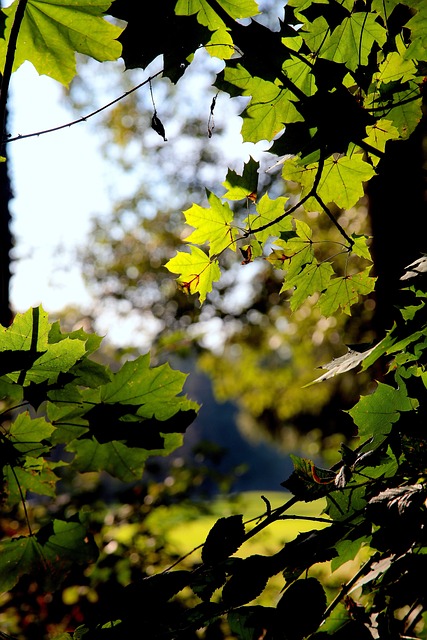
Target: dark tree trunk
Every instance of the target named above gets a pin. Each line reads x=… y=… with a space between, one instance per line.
x=398 y=211
x=5 y=243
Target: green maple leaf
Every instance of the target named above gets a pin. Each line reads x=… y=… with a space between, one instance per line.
x=341 y=181
x=212 y=225
x=197 y=272
x=384 y=7
x=294 y=254
x=267 y=212
x=122 y=462
x=313 y=278
x=208 y=17
x=315 y=34
x=52 y=31
x=47 y=556
x=302 y=5
x=360 y=247
x=375 y=414
x=36 y=476
x=417 y=25
x=378 y=134
x=242 y=186
x=408 y=111
x=300 y=74
x=270 y=107
x=153 y=389
x=351 y=42
x=221 y=43
x=29 y=331
x=344 y=291
x=26 y=434
x=395 y=66
x=303 y=174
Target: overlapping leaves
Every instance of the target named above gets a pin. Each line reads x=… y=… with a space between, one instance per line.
x=109 y=422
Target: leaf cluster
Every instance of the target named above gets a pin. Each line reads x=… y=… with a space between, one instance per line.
x=374 y=516
x=65 y=412
x=332 y=88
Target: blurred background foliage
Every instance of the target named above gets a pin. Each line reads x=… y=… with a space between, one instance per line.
x=255 y=351
x=257 y=354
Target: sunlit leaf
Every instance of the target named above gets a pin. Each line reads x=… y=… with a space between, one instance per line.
x=242 y=186
x=270 y=108
x=267 y=211
x=36 y=476
x=345 y=291
x=212 y=225
x=378 y=135
x=29 y=331
x=153 y=390
x=396 y=66
x=344 y=363
x=197 y=272
x=313 y=278
x=351 y=42
x=26 y=434
x=52 y=31
x=360 y=247
x=207 y=16
x=375 y=414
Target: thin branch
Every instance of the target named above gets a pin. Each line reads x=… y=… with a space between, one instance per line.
x=311 y=193
x=23 y=501
x=333 y=220
x=346 y=588
x=8 y=65
x=309 y=518
x=86 y=117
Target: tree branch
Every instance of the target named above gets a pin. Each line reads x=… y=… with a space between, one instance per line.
x=86 y=117
x=8 y=65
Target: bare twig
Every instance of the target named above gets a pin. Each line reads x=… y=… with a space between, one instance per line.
x=86 y=117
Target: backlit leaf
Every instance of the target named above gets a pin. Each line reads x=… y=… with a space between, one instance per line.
x=242 y=186
x=153 y=390
x=375 y=414
x=197 y=272
x=351 y=42
x=313 y=278
x=212 y=225
x=345 y=291
x=207 y=16
x=122 y=462
x=378 y=134
x=270 y=108
x=267 y=211
x=52 y=31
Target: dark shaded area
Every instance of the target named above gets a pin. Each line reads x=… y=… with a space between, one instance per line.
x=5 y=242
x=263 y=465
x=398 y=211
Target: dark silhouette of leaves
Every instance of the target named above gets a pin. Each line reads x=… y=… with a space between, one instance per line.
x=247 y=582
x=308 y=590
x=223 y=539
